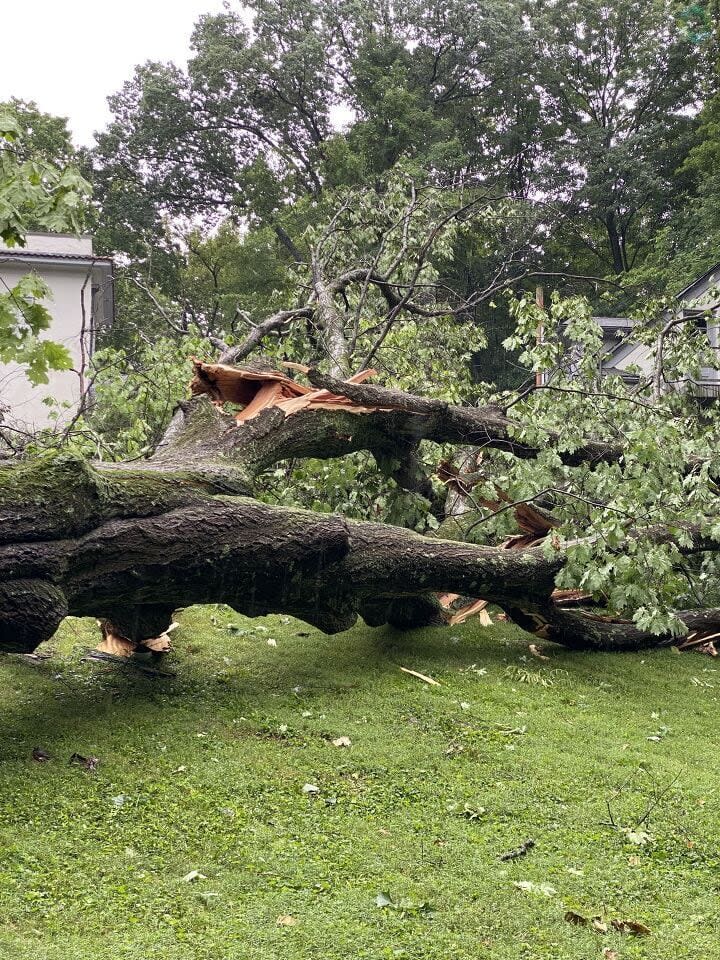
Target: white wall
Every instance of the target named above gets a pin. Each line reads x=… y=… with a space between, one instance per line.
x=65 y=280
x=62 y=243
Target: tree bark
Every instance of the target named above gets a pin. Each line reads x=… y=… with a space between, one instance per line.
x=131 y=546
x=130 y=543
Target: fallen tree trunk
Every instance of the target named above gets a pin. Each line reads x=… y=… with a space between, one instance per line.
x=130 y=543
x=141 y=545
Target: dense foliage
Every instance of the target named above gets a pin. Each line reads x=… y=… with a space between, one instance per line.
x=34 y=192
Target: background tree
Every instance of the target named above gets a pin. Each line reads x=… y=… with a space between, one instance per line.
x=33 y=193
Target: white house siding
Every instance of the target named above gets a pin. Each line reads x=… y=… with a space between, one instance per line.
x=68 y=267
x=636 y=360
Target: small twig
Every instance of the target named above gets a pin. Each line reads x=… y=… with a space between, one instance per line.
x=421 y=676
x=520 y=851
x=127 y=662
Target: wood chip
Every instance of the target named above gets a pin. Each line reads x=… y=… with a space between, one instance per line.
x=475 y=609
x=159 y=644
x=116 y=645
x=421 y=676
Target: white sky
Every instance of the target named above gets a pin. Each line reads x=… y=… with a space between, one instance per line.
x=69 y=55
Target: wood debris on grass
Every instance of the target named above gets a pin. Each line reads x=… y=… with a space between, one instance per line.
x=520 y=851
x=537 y=652
x=113 y=643
x=132 y=662
x=701 y=641
x=89 y=763
x=421 y=676
x=599 y=925
x=468 y=608
x=116 y=645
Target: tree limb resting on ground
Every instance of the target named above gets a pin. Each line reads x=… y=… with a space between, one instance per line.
x=129 y=543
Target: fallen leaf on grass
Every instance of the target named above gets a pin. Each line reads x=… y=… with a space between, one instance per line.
x=342 y=742
x=597 y=923
x=286 y=920
x=421 y=676
x=537 y=652
x=467 y=810
x=639 y=837
x=90 y=763
x=208 y=896
x=404 y=908
x=631 y=926
x=529 y=886
x=576 y=919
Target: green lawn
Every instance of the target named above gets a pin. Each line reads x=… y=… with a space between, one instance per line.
x=204 y=771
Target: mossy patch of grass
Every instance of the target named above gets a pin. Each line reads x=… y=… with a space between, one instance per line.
x=195 y=833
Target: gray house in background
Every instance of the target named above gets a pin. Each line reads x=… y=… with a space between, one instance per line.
x=82 y=300
x=699 y=299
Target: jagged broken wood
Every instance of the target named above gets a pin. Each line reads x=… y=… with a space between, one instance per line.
x=130 y=543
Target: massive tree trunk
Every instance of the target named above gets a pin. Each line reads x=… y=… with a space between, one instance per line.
x=145 y=545
x=129 y=543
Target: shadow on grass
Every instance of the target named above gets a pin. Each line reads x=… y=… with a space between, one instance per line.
x=64 y=700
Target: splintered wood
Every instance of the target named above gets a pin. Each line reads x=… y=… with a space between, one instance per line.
x=535 y=526
x=462 y=612
x=258 y=390
x=117 y=645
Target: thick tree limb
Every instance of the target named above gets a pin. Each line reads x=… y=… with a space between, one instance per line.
x=476 y=426
x=132 y=546
x=586 y=630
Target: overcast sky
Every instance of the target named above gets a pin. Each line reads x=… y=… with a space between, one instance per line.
x=69 y=55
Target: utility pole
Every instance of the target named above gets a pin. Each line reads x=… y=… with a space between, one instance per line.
x=540 y=302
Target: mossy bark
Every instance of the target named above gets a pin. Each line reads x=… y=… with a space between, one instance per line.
x=131 y=545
